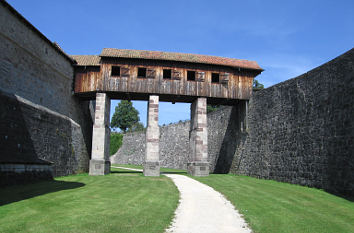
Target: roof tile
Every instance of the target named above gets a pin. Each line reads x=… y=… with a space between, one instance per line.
x=183 y=57
x=87 y=60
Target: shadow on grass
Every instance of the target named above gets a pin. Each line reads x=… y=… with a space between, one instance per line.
x=16 y=193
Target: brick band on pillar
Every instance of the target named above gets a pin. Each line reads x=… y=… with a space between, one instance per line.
x=152 y=154
x=99 y=163
x=198 y=139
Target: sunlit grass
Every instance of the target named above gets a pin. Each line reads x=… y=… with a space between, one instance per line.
x=126 y=201
x=120 y=202
x=270 y=206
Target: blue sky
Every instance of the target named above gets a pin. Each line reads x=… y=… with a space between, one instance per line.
x=286 y=38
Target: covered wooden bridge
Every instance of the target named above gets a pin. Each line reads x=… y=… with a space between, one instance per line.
x=160 y=76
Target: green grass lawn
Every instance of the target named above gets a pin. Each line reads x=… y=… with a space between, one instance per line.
x=123 y=201
x=126 y=201
x=270 y=206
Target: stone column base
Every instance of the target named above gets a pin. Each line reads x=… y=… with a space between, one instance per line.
x=152 y=169
x=198 y=168
x=99 y=167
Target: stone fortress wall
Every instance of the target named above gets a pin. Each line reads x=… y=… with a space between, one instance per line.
x=299 y=131
x=40 y=118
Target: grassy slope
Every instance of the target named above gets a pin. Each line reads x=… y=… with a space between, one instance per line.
x=270 y=206
x=120 y=202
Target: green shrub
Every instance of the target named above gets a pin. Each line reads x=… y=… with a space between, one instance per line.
x=115 y=143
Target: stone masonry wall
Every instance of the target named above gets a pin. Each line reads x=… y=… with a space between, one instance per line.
x=33 y=134
x=302 y=130
x=174 y=146
x=33 y=70
x=174 y=143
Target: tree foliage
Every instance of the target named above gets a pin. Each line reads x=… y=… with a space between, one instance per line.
x=125 y=116
x=257 y=85
x=115 y=142
x=136 y=127
x=212 y=108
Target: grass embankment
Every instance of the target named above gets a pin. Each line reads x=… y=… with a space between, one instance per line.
x=270 y=206
x=124 y=201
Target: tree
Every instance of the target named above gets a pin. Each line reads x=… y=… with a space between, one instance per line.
x=257 y=85
x=125 y=116
x=136 y=127
x=212 y=108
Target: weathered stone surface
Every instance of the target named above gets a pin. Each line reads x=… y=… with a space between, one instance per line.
x=198 y=139
x=151 y=168
x=174 y=146
x=174 y=142
x=33 y=134
x=302 y=130
x=152 y=153
x=24 y=173
x=227 y=129
x=50 y=123
x=101 y=136
x=99 y=167
x=198 y=168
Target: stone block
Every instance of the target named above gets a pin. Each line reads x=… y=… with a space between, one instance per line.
x=152 y=153
x=99 y=167
x=100 y=137
x=198 y=168
x=151 y=168
x=198 y=140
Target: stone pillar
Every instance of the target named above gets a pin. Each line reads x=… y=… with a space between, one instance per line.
x=99 y=163
x=198 y=139
x=152 y=153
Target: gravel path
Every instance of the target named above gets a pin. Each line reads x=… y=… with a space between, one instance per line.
x=202 y=209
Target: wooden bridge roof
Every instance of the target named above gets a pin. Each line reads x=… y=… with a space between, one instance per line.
x=182 y=57
x=87 y=60
x=94 y=60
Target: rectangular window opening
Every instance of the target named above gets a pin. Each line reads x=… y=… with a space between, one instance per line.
x=141 y=72
x=190 y=75
x=166 y=74
x=215 y=78
x=115 y=71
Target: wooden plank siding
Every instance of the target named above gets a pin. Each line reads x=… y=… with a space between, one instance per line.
x=99 y=79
